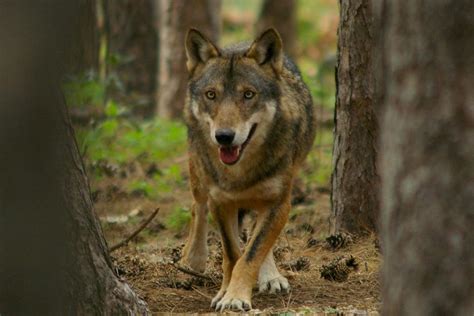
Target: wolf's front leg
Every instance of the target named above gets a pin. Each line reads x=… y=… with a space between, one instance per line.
x=226 y=219
x=269 y=278
x=269 y=225
x=195 y=251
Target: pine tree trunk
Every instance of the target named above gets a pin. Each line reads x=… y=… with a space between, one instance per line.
x=427 y=146
x=354 y=179
x=281 y=15
x=86 y=50
x=132 y=41
x=176 y=17
x=92 y=276
x=54 y=259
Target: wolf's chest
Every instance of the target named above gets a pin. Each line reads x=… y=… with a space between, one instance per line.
x=262 y=192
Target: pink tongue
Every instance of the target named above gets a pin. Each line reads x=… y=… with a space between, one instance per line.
x=229 y=155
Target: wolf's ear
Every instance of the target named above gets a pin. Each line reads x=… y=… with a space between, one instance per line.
x=268 y=48
x=199 y=49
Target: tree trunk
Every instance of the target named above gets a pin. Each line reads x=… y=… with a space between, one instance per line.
x=133 y=48
x=177 y=16
x=427 y=146
x=281 y=15
x=54 y=259
x=354 y=180
x=86 y=50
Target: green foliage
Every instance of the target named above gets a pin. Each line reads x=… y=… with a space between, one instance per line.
x=120 y=140
x=312 y=23
x=143 y=187
x=239 y=30
x=320 y=160
x=242 y=5
x=160 y=185
x=84 y=90
x=178 y=218
x=322 y=88
x=169 y=179
x=332 y=311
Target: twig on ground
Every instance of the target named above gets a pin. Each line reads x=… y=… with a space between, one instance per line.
x=193 y=273
x=135 y=233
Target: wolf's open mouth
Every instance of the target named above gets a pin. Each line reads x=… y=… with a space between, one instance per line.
x=231 y=154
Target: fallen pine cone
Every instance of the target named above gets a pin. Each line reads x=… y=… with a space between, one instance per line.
x=338 y=241
x=300 y=264
x=338 y=270
x=312 y=242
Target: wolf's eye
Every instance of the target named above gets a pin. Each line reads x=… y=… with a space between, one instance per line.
x=211 y=95
x=249 y=94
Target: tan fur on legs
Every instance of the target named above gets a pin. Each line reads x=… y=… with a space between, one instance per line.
x=226 y=218
x=195 y=252
x=269 y=225
x=269 y=278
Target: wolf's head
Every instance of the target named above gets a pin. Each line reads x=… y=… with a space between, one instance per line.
x=234 y=92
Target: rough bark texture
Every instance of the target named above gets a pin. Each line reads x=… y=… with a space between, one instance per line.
x=54 y=259
x=176 y=17
x=355 y=180
x=133 y=42
x=428 y=157
x=93 y=283
x=280 y=14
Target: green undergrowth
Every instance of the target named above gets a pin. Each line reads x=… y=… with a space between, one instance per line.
x=178 y=218
x=319 y=160
x=84 y=91
x=121 y=140
x=125 y=142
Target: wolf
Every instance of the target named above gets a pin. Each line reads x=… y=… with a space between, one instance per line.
x=250 y=126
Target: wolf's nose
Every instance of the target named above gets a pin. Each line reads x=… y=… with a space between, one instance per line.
x=225 y=136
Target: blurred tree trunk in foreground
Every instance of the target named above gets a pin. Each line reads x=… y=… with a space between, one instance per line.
x=280 y=14
x=176 y=17
x=86 y=52
x=133 y=49
x=54 y=259
x=354 y=180
x=427 y=157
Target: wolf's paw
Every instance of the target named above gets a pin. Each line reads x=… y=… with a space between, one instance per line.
x=217 y=298
x=273 y=284
x=233 y=303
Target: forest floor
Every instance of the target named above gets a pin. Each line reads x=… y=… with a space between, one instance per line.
x=147 y=262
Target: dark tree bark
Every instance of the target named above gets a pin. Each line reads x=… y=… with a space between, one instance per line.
x=133 y=41
x=354 y=179
x=177 y=16
x=427 y=157
x=54 y=259
x=281 y=15
x=86 y=49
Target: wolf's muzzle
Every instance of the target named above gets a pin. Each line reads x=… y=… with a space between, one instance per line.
x=225 y=136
